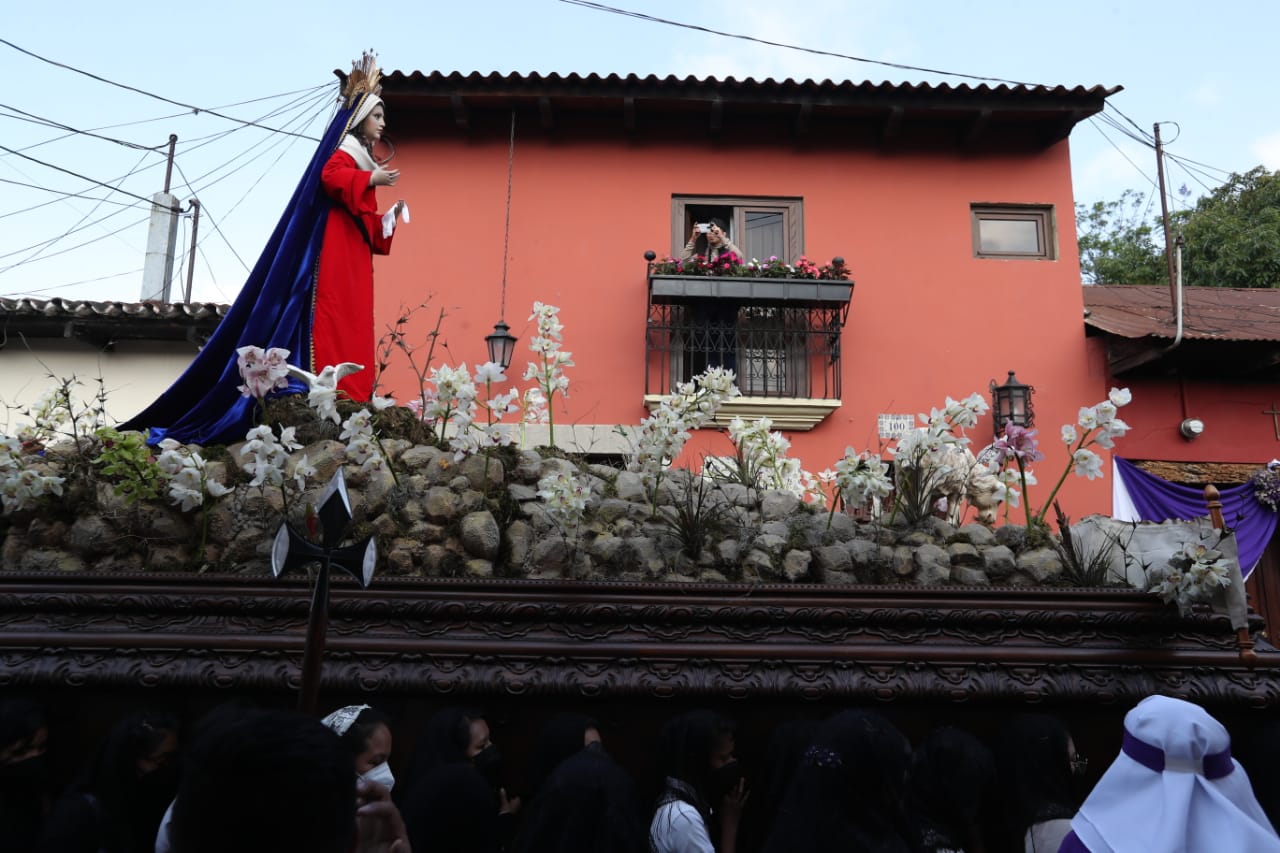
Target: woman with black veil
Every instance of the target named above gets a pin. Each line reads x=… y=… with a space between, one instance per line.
x=949 y=785
x=452 y=800
x=588 y=804
x=848 y=791
x=24 y=774
x=1038 y=777
x=116 y=804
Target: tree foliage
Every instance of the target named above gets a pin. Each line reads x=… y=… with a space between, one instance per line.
x=1232 y=237
x=1116 y=245
x=1233 y=234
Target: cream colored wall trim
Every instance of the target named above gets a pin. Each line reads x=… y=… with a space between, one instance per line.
x=793 y=413
x=575 y=438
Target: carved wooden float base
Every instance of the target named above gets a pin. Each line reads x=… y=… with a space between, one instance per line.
x=614 y=641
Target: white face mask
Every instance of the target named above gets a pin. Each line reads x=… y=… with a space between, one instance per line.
x=380 y=774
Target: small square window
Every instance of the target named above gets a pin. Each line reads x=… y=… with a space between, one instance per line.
x=1013 y=232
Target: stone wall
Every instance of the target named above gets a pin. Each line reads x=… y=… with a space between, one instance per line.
x=482 y=517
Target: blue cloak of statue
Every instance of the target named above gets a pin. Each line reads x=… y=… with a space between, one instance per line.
x=203 y=406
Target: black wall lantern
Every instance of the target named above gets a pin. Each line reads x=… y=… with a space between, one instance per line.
x=502 y=344
x=1011 y=402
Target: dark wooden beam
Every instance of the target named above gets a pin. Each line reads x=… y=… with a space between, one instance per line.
x=977 y=127
x=892 y=124
x=545 y=116
x=1062 y=128
x=460 y=115
x=1130 y=355
x=629 y=114
x=803 y=114
x=717 y=114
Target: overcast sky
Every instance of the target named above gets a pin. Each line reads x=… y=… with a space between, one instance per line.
x=1207 y=69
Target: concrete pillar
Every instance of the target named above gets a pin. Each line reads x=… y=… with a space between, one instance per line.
x=162 y=237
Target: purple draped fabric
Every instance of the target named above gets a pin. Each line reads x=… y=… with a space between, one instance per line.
x=1156 y=499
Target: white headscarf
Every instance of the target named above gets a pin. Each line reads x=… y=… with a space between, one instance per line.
x=353 y=145
x=1174 y=787
x=366 y=105
x=342 y=719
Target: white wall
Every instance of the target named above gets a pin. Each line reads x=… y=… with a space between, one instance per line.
x=134 y=373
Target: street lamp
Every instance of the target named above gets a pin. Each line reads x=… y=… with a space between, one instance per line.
x=501 y=344
x=1011 y=403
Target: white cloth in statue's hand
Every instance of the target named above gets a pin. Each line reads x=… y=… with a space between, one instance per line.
x=389 y=219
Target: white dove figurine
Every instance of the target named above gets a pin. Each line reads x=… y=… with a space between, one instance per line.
x=323 y=394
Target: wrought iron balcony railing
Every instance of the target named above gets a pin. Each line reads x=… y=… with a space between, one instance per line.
x=782 y=337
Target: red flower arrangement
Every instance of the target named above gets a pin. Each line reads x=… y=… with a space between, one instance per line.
x=730 y=264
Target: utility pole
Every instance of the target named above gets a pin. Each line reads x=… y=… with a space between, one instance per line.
x=1164 y=215
x=162 y=238
x=191 y=261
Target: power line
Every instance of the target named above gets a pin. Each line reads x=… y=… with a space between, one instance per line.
x=23 y=115
x=146 y=93
x=1124 y=155
x=52 y=242
x=1145 y=136
x=1226 y=173
x=62 y=195
x=74 y=174
x=64 y=285
x=600 y=7
x=204 y=208
x=125 y=227
x=269 y=142
x=312 y=97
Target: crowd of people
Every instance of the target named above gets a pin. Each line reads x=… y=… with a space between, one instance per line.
x=248 y=779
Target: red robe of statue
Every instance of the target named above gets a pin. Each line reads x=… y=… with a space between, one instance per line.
x=342 y=323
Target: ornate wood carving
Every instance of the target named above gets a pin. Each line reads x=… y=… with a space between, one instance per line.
x=552 y=638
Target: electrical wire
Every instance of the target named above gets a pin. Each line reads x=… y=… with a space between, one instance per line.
x=23 y=115
x=74 y=174
x=136 y=90
x=64 y=285
x=307 y=101
x=213 y=279
x=75 y=227
x=204 y=208
x=62 y=196
x=268 y=141
x=1097 y=126
x=125 y=227
x=195 y=191
x=600 y=7
x=1192 y=173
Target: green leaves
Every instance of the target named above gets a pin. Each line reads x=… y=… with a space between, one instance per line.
x=126 y=459
x=1232 y=236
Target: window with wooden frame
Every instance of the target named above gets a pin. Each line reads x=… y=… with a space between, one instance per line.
x=760 y=227
x=1014 y=231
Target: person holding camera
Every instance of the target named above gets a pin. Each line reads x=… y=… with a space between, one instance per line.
x=711 y=240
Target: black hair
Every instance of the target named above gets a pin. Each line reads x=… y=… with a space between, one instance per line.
x=847 y=792
x=783 y=752
x=444 y=740
x=720 y=223
x=127 y=806
x=1033 y=761
x=949 y=782
x=588 y=804
x=265 y=781
x=685 y=746
x=558 y=739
